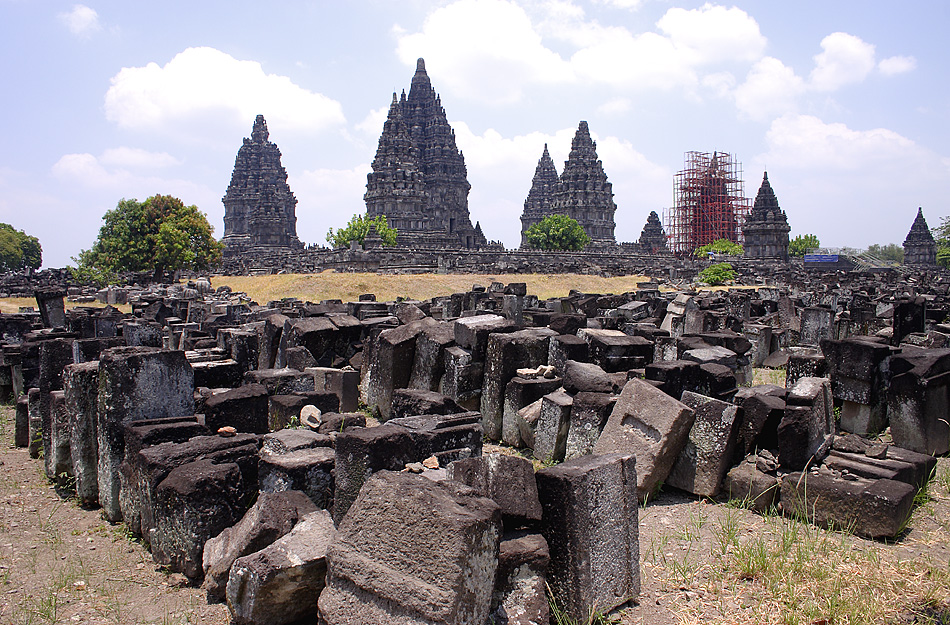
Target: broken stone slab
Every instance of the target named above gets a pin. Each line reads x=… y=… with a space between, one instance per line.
x=918 y=401
x=759 y=420
x=463 y=377
x=281 y=583
x=21 y=430
x=506 y=480
x=34 y=423
x=527 y=419
x=871 y=508
x=410 y=402
x=381 y=569
x=520 y=595
x=428 y=366
x=505 y=353
x=281 y=381
x=588 y=377
x=135 y=383
x=272 y=516
x=652 y=426
x=707 y=456
x=243 y=408
x=590 y=521
x=315 y=334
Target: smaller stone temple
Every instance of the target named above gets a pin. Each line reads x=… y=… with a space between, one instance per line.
x=919 y=246
x=537 y=206
x=583 y=193
x=765 y=229
x=259 y=207
x=653 y=237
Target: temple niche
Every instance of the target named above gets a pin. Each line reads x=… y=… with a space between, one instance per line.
x=419 y=180
x=765 y=229
x=259 y=207
x=537 y=205
x=583 y=193
x=653 y=237
x=919 y=246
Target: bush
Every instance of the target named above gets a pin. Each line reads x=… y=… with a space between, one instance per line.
x=720 y=246
x=555 y=233
x=358 y=228
x=718 y=274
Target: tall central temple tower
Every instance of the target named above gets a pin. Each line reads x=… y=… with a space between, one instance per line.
x=419 y=181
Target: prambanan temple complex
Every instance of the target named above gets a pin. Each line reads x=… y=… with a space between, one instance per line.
x=419 y=182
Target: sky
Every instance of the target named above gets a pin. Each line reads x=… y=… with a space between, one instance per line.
x=846 y=104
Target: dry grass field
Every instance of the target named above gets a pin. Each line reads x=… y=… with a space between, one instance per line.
x=349 y=286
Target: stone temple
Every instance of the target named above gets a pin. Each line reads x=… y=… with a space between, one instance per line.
x=919 y=246
x=419 y=180
x=538 y=203
x=765 y=229
x=259 y=207
x=583 y=192
x=652 y=237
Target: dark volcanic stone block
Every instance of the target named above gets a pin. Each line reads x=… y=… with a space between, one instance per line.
x=309 y=470
x=243 y=408
x=507 y=480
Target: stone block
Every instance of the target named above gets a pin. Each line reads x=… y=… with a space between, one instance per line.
x=918 y=401
x=674 y=376
x=281 y=583
x=587 y=377
x=550 y=431
x=270 y=334
x=707 y=456
x=411 y=402
x=806 y=432
x=243 y=408
x=34 y=423
x=281 y=381
x=293 y=439
x=471 y=333
x=81 y=388
x=870 y=508
x=272 y=516
x=566 y=347
x=316 y=334
x=589 y=414
x=590 y=522
x=224 y=373
x=53 y=356
x=390 y=364
x=428 y=366
x=283 y=409
x=345 y=383
x=506 y=480
x=463 y=377
x=504 y=355
x=61 y=460
x=615 y=351
x=755 y=489
x=135 y=383
x=519 y=393
x=520 y=595
x=652 y=426
x=21 y=430
x=309 y=470
x=383 y=568
x=759 y=420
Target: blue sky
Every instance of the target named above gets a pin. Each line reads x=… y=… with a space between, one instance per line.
x=846 y=103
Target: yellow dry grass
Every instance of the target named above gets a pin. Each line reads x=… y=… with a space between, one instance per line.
x=349 y=286
x=13 y=304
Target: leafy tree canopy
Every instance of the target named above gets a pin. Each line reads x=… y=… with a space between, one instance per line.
x=941 y=236
x=720 y=246
x=357 y=229
x=802 y=244
x=160 y=234
x=557 y=232
x=718 y=274
x=891 y=251
x=18 y=250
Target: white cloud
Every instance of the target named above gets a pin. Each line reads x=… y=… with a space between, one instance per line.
x=483 y=49
x=644 y=61
x=207 y=82
x=622 y=4
x=615 y=106
x=327 y=198
x=844 y=59
x=373 y=123
x=770 y=89
x=81 y=21
x=713 y=34
x=138 y=158
x=894 y=65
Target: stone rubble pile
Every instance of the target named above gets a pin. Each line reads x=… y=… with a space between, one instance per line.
x=228 y=436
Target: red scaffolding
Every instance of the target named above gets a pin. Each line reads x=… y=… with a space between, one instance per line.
x=709 y=202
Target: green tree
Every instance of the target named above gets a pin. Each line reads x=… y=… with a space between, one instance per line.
x=720 y=246
x=18 y=250
x=557 y=232
x=941 y=236
x=717 y=274
x=357 y=229
x=891 y=251
x=160 y=234
x=802 y=244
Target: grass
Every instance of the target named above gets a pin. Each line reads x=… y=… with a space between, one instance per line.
x=349 y=286
x=10 y=305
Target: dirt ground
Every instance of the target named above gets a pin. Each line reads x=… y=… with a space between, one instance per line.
x=700 y=562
